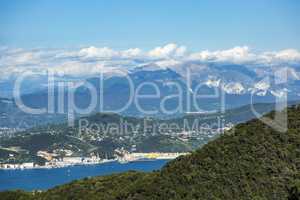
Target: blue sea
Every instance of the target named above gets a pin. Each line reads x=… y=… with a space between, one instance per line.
x=42 y=179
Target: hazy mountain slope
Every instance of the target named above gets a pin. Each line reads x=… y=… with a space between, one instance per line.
x=11 y=116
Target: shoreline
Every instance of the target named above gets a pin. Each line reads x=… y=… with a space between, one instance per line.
x=80 y=161
x=81 y=164
x=59 y=166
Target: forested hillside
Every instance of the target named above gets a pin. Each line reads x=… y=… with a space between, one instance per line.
x=252 y=162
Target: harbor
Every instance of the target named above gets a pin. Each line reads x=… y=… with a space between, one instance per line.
x=121 y=156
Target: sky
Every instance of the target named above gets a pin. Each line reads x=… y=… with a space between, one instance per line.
x=207 y=24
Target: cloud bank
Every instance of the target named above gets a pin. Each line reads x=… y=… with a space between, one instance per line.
x=91 y=61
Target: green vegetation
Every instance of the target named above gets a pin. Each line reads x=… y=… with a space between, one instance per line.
x=52 y=137
x=252 y=161
x=83 y=142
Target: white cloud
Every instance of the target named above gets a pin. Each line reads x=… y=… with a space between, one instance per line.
x=85 y=69
x=93 y=52
x=92 y=60
x=19 y=57
x=169 y=50
x=284 y=55
x=131 y=53
x=236 y=55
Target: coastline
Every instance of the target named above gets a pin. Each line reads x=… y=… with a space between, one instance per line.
x=82 y=161
x=59 y=166
x=82 y=164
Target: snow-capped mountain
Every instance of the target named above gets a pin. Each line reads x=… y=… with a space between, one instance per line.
x=170 y=88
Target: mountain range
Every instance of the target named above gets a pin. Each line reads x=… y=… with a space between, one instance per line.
x=217 y=86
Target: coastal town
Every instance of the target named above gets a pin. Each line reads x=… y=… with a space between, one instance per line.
x=121 y=156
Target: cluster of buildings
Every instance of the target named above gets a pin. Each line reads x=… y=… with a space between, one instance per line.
x=124 y=156
x=29 y=165
x=56 y=163
x=55 y=160
x=8 y=132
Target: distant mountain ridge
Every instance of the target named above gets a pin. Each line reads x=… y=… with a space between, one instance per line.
x=12 y=117
x=240 y=86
